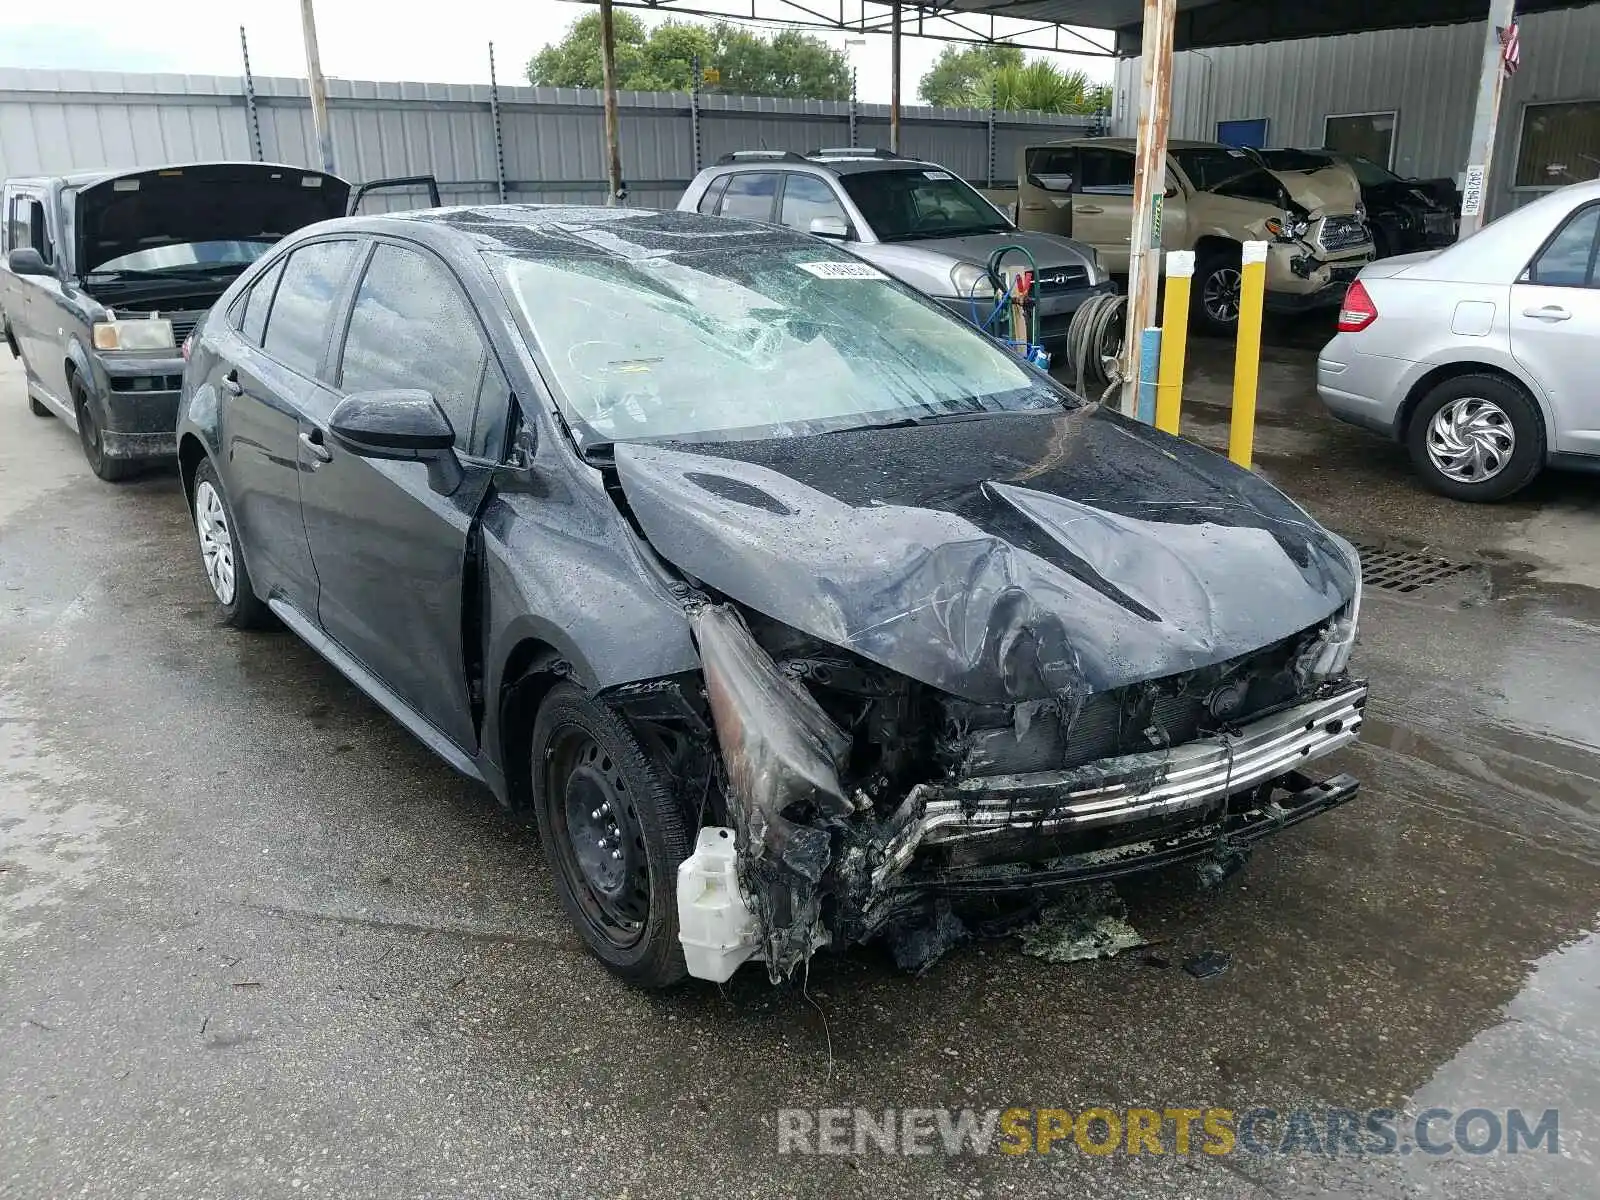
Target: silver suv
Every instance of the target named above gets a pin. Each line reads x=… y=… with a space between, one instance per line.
x=914 y=220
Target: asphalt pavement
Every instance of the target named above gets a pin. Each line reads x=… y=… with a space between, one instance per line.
x=256 y=942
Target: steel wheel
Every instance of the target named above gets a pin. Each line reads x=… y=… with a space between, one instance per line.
x=216 y=541
x=1219 y=295
x=1471 y=439
x=599 y=841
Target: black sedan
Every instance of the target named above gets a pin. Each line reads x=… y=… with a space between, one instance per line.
x=788 y=603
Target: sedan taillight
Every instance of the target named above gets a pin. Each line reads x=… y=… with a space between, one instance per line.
x=1358 y=310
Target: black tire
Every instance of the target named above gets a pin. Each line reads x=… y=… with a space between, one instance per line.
x=37 y=409
x=243 y=609
x=621 y=895
x=112 y=470
x=1217 y=272
x=1501 y=407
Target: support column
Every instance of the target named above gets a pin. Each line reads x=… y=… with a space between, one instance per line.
x=894 y=89
x=1485 y=118
x=317 y=88
x=1149 y=186
x=608 y=66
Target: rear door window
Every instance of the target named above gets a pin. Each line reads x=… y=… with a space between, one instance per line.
x=1105 y=172
x=805 y=198
x=301 y=316
x=750 y=195
x=411 y=327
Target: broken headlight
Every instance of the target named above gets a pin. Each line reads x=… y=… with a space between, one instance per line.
x=1287 y=228
x=1330 y=653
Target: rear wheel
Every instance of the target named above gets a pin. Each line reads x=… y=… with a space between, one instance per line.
x=219 y=554
x=613 y=834
x=112 y=470
x=1477 y=437
x=1218 y=282
x=38 y=409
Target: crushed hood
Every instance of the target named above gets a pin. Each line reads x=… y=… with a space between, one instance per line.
x=1005 y=558
x=1330 y=190
x=205 y=202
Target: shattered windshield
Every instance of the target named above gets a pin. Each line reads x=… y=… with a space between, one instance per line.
x=902 y=205
x=753 y=343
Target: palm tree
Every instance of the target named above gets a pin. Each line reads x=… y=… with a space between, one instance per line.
x=1039 y=86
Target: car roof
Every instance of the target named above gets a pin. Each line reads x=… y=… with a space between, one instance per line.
x=625 y=233
x=841 y=162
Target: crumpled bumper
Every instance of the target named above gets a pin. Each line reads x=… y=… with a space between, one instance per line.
x=957 y=819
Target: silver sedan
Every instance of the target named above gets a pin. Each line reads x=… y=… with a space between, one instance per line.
x=1482 y=358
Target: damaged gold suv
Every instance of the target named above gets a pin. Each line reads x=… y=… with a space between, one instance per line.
x=1218 y=197
x=786 y=601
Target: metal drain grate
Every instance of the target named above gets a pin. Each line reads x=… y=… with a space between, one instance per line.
x=1405 y=570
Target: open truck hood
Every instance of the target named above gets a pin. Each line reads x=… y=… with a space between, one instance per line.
x=1006 y=558
x=204 y=202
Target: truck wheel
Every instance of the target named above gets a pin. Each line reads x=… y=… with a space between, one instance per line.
x=1477 y=438
x=1217 y=283
x=112 y=470
x=613 y=834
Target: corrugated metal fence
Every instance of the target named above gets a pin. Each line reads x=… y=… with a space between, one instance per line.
x=52 y=122
x=1427 y=77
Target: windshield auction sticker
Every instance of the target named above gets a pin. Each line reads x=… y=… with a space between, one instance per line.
x=842 y=270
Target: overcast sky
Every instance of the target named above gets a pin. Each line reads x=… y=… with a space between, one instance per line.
x=360 y=39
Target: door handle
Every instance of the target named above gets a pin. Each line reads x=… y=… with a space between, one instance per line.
x=1090 y=209
x=311 y=439
x=1550 y=312
x=231 y=384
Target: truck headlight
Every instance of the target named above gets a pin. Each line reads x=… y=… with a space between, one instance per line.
x=1287 y=228
x=146 y=333
x=971 y=280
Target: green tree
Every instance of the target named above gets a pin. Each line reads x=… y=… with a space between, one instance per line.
x=787 y=64
x=957 y=71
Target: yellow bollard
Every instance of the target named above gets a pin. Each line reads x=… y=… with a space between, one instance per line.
x=1247 y=357
x=1174 y=339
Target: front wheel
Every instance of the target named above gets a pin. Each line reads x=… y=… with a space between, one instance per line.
x=1477 y=437
x=1218 y=284
x=613 y=834
x=112 y=470
x=218 y=534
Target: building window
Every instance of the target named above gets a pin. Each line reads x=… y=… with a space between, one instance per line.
x=1370 y=135
x=1560 y=144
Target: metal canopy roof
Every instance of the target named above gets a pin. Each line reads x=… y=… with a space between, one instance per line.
x=1201 y=23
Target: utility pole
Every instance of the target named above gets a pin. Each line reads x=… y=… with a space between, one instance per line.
x=894 y=87
x=1149 y=187
x=615 y=194
x=318 y=89
x=1485 y=119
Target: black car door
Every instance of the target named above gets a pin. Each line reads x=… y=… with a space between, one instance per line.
x=389 y=550
x=264 y=371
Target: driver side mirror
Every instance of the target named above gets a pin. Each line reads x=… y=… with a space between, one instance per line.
x=832 y=228
x=25 y=260
x=403 y=425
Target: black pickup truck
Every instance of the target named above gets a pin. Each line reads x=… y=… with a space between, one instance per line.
x=108 y=272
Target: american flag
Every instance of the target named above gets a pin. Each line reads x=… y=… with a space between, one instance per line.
x=1510 y=48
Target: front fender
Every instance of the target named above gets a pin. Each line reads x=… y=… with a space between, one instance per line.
x=81 y=362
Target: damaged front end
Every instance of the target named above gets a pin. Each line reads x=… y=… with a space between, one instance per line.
x=857 y=796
